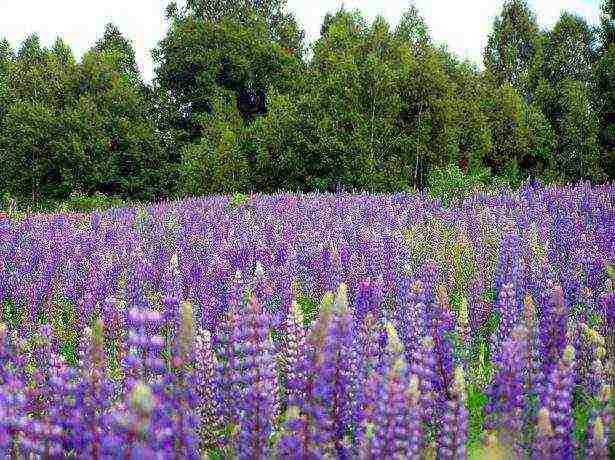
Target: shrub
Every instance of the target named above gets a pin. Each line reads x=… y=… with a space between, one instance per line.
x=451 y=183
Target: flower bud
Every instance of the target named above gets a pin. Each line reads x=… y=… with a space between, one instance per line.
x=569 y=353
x=598 y=434
x=340 y=303
x=544 y=423
x=142 y=399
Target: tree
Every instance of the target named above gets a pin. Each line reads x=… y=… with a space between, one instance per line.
x=605 y=86
x=474 y=135
x=126 y=152
x=6 y=59
x=218 y=163
x=63 y=53
x=578 y=153
x=570 y=97
x=6 y=56
x=207 y=49
x=514 y=49
x=71 y=126
x=375 y=110
x=412 y=28
x=522 y=137
x=607 y=24
x=427 y=111
x=570 y=52
x=113 y=41
x=36 y=86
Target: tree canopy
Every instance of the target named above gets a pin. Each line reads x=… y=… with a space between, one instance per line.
x=239 y=104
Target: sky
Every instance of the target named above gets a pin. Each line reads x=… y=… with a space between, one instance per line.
x=462 y=25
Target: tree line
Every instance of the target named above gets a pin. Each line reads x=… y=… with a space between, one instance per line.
x=239 y=103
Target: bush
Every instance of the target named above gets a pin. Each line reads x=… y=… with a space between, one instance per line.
x=450 y=183
x=79 y=202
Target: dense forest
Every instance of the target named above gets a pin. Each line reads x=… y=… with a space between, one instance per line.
x=240 y=103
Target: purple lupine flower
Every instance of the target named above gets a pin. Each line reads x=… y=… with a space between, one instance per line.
x=607 y=306
x=363 y=301
x=453 y=435
x=12 y=398
x=395 y=426
x=553 y=327
x=43 y=435
x=429 y=278
x=507 y=391
x=333 y=366
x=94 y=395
x=301 y=438
x=205 y=375
x=442 y=331
x=172 y=279
x=179 y=394
x=259 y=404
x=507 y=309
x=6 y=353
x=411 y=316
x=416 y=435
x=295 y=442
x=534 y=377
x=170 y=315
x=424 y=367
x=543 y=446
x=370 y=362
x=143 y=361
x=295 y=343
x=124 y=252
x=227 y=389
x=115 y=314
x=557 y=398
x=65 y=412
x=262 y=286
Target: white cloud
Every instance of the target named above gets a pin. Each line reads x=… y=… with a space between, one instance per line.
x=463 y=26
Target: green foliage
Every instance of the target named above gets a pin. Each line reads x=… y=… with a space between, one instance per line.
x=477 y=400
x=78 y=202
x=605 y=86
x=514 y=52
x=64 y=323
x=237 y=106
x=239 y=199
x=309 y=308
x=231 y=49
x=570 y=51
x=451 y=183
x=578 y=154
x=114 y=41
x=84 y=126
x=521 y=134
x=571 y=96
x=372 y=112
x=219 y=163
x=11 y=313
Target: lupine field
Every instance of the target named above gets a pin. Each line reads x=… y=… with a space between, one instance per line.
x=312 y=326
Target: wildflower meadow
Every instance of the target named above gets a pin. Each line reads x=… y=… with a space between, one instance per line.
x=295 y=326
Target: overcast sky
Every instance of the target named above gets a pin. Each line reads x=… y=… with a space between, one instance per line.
x=463 y=25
